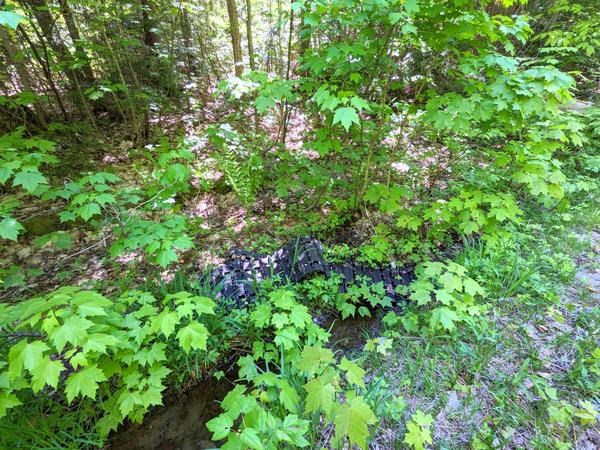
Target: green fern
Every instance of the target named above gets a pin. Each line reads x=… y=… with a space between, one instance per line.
x=240 y=164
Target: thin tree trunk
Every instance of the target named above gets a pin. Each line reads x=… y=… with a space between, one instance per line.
x=131 y=110
x=236 y=42
x=251 y=55
x=47 y=72
x=67 y=13
x=11 y=52
x=304 y=36
x=186 y=32
x=150 y=36
x=279 y=58
x=287 y=74
x=46 y=22
x=249 y=34
x=289 y=44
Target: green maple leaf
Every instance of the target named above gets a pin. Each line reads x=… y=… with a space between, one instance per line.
x=283 y=299
x=99 y=342
x=10 y=229
x=383 y=344
x=472 y=287
x=422 y=297
x=444 y=316
x=263 y=103
x=105 y=198
x=203 y=305
x=412 y=6
x=5 y=174
x=451 y=282
x=157 y=374
x=433 y=269
x=421 y=285
x=166 y=321
x=314 y=357
x=287 y=337
x=66 y=216
x=84 y=382
x=91 y=303
x=352 y=420
x=347 y=310
x=152 y=396
x=330 y=103
x=267 y=378
x=150 y=356
x=456 y=268
x=299 y=316
x=354 y=372
x=30 y=180
x=88 y=210
x=587 y=412
x=469 y=227
x=236 y=402
x=79 y=360
x=32 y=353
x=220 y=426
x=280 y=320
x=261 y=315
x=320 y=395
x=375 y=192
x=360 y=104
x=288 y=396
x=409 y=28
x=250 y=438
x=422 y=419
x=46 y=372
x=444 y=296
x=417 y=436
x=193 y=336
x=185 y=310
x=293 y=431
x=128 y=400
x=166 y=256
x=346 y=116
x=7 y=401
x=72 y=331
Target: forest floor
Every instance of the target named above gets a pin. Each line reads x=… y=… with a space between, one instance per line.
x=496 y=391
x=490 y=390
x=490 y=386
x=35 y=265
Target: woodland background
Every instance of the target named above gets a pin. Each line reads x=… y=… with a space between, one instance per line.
x=141 y=140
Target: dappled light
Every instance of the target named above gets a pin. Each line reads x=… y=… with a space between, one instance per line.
x=315 y=224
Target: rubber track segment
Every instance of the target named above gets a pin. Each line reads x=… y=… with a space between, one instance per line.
x=296 y=261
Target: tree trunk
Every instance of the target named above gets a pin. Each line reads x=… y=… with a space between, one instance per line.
x=304 y=33
x=186 y=32
x=11 y=51
x=279 y=59
x=45 y=65
x=249 y=34
x=236 y=42
x=46 y=23
x=67 y=13
x=286 y=110
x=289 y=44
x=150 y=36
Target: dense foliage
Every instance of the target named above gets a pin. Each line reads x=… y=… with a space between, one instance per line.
x=450 y=136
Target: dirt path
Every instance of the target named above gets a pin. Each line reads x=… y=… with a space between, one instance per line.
x=589 y=269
